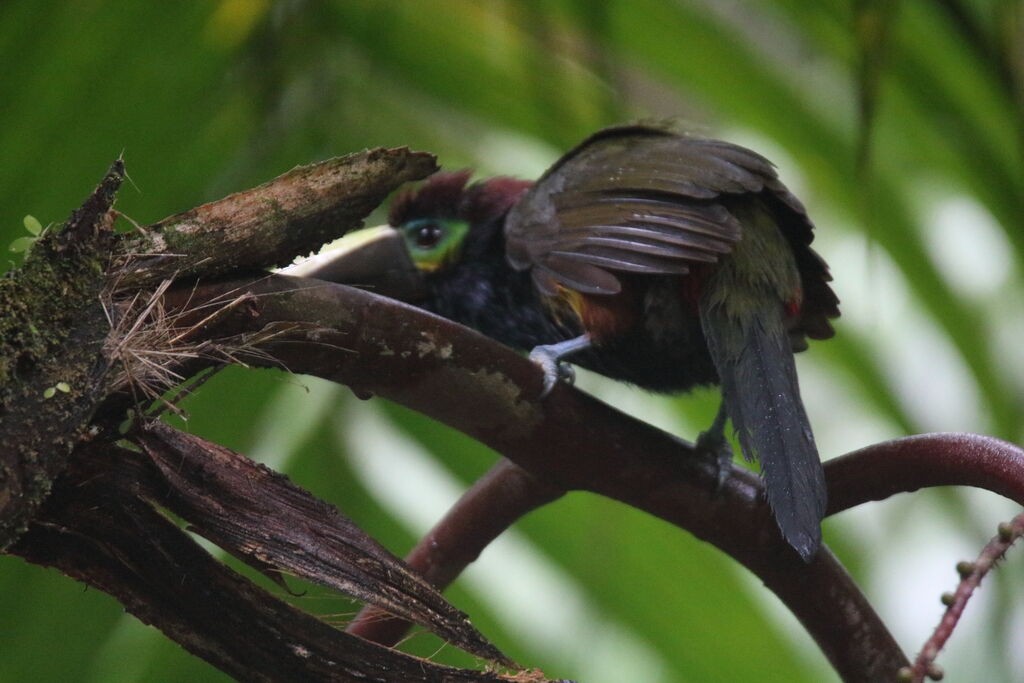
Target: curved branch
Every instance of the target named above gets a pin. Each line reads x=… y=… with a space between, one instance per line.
x=875 y=472
x=494 y=503
x=915 y=462
x=570 y=441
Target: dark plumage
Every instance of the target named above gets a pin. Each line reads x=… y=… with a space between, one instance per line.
x=479 y=289
x=683 y=261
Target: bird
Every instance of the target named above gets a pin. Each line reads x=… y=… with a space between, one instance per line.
x=646 y=254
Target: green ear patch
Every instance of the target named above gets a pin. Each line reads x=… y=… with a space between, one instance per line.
x=433 y=242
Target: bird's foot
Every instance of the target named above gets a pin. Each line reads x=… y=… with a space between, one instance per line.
x=714 y=445
x=547 y=357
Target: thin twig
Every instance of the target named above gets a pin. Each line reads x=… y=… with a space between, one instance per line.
x=971 y=574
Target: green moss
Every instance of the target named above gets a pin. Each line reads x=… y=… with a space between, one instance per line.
x=52 y=329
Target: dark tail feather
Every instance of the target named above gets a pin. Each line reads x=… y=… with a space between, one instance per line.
x=759 y=386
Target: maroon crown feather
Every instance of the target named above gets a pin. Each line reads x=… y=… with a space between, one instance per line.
x=446 y=195
x=492 y=198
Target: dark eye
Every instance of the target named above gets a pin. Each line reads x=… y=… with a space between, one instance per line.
x=428 y=235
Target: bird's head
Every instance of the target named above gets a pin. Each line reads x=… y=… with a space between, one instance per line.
x=448 y=219
x=432 y=230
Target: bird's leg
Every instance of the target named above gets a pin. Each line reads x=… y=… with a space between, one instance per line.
x=549 y=358
x=712 y=443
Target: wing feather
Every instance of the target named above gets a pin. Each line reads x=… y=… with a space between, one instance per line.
x=622 y=260
x=650 y=200
x=575 y=274
x=639 y=244
x=644 y=200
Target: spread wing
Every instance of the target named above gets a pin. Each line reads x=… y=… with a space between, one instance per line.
x=643 y=200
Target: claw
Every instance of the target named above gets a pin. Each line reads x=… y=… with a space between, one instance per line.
x=549 y=358
x=567 y=373
x=553 y=368
x=713 y=444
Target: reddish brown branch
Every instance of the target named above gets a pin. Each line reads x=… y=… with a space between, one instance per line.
x=488 y=508
x=872 y=473
x=950 y=459
x=569 y=441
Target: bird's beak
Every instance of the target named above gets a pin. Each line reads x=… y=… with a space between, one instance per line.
x=375 y=259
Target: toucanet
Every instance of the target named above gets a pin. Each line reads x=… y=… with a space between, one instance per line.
x=645 y=254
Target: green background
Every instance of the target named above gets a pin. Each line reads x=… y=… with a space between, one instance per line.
x=924 y=230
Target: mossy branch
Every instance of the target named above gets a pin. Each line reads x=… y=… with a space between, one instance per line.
x=60 y=326
x=52 y=330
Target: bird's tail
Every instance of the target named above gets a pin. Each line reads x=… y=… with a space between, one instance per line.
x=754 y=360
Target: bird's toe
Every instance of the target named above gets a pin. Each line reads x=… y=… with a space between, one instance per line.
x=552 y=368
x=713 y=444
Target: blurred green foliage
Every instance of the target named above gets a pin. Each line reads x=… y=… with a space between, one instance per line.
x=899 y=124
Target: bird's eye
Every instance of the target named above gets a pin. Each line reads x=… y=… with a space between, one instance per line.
x=428 y=235
x=434 y=242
